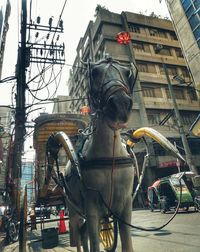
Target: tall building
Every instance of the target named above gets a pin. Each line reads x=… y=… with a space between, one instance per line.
x=154 y=48
x=28 y=179
x=185 y=15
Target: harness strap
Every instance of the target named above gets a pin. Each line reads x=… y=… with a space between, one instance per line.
x=105 y=163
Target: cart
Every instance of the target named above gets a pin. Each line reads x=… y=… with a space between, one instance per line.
x=46 y=190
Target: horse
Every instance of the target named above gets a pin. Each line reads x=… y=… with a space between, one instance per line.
x=106 y=168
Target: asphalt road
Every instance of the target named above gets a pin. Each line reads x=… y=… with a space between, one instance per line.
x=182 y=234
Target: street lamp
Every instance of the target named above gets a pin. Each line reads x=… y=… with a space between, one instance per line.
x=188 y=155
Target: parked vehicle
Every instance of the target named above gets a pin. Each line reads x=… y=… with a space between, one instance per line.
x=10 y=226
x=165 y=193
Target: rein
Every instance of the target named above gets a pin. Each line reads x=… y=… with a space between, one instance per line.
x=112 y=171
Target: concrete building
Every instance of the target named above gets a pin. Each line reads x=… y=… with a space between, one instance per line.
x=185 y=16
x=152 y=105
x=61 y=104
x=5 y=141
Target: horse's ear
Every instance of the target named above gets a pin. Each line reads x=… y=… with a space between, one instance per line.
x=132 y=77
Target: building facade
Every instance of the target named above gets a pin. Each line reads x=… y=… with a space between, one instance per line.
x=185 y=16
x=152 y=102
x=61 y=104
x=27 y=179
x=6 y=116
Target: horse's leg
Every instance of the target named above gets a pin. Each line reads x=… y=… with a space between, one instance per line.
x=93 y=225
x=124 y=230
x=84 y=237
x=75 y=231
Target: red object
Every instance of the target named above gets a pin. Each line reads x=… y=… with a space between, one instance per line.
x=85 y=110
x=123 y=37
x=170 y=164
x=62 y=228
x=1 y=150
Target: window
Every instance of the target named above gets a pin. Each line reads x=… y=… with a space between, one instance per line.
x=138 y=47
x=134 y=28
x=146 y=67
x=179 y=53
x=148 y=92
x=192 y=94
x=157 y=33
x=187 y=118
x=192 y=11
x=164 y=51
x=153 y=118
x=173 y=36
x=152 y=91
x=141 y=47
x=185 y=72
x=142 y=67
x=170 y=69
x=178 y=92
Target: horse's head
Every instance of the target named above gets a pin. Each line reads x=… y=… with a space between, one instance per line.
x=110 y=91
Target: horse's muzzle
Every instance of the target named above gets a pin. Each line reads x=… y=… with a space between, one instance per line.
x=117 y=108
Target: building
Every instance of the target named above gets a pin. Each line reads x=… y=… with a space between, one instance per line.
x=5 y=9
x=154 y=46
x=61 y=104
x=6 y=116
x=27 y=178
x=185 y=15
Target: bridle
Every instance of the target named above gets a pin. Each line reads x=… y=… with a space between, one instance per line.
x=107 y=87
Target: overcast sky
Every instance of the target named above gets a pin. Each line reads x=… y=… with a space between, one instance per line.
x=76 y=16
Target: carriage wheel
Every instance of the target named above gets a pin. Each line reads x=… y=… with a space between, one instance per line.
x=108 y=234
x=23 y=221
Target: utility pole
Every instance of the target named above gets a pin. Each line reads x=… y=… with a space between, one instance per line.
x=47 y=53
x=20 y=113
x=141 y=106
x=188 y=155
x=50 y=51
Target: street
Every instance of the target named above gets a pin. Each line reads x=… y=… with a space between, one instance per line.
x=180 y=235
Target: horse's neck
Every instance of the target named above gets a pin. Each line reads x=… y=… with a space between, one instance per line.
x=104 y=143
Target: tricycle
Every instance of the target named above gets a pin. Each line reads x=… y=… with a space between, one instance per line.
x=165 y=193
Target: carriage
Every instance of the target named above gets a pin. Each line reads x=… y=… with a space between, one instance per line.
x=96 y=184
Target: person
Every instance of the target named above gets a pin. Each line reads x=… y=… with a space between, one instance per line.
x=150 y=198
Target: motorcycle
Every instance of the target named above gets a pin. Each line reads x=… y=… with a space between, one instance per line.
x=11 y=226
